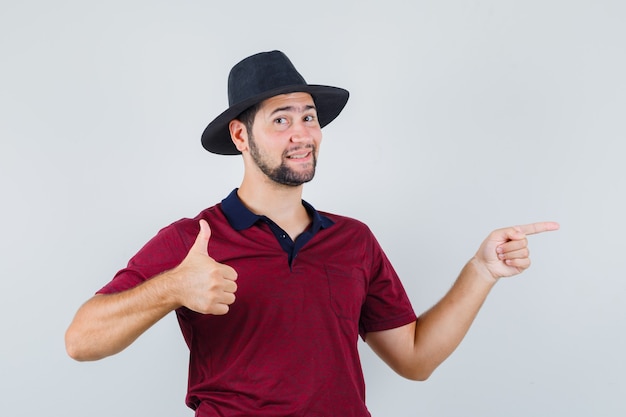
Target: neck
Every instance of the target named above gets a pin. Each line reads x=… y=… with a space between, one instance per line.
x=271 y=199
x=281 y=203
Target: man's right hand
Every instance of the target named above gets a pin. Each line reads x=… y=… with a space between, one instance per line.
x=206 y=286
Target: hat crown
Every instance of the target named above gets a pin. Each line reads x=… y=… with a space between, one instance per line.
x=259 y=74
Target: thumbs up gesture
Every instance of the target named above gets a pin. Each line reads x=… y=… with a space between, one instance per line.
x=206 y=286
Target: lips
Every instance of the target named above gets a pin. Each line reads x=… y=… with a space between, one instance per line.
x=300 y=153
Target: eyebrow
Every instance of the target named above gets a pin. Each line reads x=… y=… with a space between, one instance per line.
x=293 y=109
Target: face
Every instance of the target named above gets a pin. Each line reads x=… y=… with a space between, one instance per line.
x=285 y=139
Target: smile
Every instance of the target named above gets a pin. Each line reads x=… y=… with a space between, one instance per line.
x=299 y=155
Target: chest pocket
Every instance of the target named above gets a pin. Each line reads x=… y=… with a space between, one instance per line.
x=347 y=290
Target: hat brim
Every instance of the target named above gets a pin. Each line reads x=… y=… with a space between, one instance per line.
x=329 y=102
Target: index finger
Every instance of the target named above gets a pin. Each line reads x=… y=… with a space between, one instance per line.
x=534 y=228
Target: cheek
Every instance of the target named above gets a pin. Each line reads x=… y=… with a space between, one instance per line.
x=316 y=134
x=318 y=140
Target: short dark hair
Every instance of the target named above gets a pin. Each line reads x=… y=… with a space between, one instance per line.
x=247 y=117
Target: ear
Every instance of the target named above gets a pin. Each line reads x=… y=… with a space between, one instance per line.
x=238 y=134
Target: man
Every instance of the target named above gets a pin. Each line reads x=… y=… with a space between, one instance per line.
x=271 y=294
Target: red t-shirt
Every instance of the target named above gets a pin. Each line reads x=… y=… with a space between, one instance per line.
x=288 y=345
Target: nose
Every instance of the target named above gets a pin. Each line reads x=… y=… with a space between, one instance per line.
x=301 y=133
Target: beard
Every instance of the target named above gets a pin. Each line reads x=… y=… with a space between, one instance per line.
x=282 y=174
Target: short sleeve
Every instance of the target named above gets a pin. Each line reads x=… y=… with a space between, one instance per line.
x=163 y=252
x=387 y=305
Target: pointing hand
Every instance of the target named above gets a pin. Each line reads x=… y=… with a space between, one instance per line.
x=505 y=251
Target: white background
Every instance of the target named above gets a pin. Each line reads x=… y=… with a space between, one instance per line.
x=464 y=116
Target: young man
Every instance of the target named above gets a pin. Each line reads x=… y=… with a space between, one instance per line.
x=271 y=294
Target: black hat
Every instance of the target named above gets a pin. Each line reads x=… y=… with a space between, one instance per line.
x=259 y=77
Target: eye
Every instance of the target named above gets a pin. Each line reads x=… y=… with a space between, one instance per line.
x=309 y=118
x=280 y=120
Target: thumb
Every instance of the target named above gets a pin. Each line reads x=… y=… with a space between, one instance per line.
x=202 y=240
x=513 y=233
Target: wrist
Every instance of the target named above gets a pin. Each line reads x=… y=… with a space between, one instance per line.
x=481 y=270
x=166 y=289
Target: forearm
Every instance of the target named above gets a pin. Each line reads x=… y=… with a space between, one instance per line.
x=417 y=349
x=107 y=324
x=441 y=329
